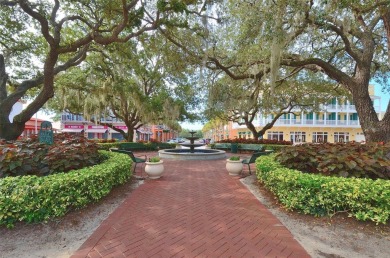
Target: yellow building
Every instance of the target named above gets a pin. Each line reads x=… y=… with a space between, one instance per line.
x=336 y=122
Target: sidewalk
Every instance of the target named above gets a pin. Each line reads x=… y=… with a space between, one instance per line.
x=195 y=210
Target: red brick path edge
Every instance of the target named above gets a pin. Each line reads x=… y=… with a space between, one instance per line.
x=195 y=210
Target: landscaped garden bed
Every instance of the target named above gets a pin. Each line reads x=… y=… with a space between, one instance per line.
x=35 y=199
x=317 y=194
x=40 y=181
x=30 y=157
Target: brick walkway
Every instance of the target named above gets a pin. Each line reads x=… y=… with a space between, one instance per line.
x=195 y=210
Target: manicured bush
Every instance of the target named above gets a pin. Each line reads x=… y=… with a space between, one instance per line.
x=276 y=147
x=107 y=146
x=165 y=145
x=29 y=157
x=364 y=199
x=134 y=146
x=347 y=160
x=35 y=199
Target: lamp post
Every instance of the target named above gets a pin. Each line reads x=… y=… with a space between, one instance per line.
x=36 y=123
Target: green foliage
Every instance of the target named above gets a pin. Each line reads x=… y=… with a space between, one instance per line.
x=364 y=199
x=134 y=146
x=234 y=158
x=174 y=5
x=107 y=146
x=155 y=159
x=152 y=145
x=29 y=157
x=186 y=133
x=347 y=160
x=35 y=199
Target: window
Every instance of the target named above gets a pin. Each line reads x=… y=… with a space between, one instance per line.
x=332 y=116
x=320 y=137
x=341 y=137
x=298 y=137
x=275 y=136
x=353 y=117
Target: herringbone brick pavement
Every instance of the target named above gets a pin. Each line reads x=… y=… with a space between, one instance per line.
x=195 y=210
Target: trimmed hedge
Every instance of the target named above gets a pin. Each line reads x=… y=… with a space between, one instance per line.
x=275 y=147
x=364 y=199
x=107 y=146
x=35 y=199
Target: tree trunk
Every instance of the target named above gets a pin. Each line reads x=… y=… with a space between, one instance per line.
x=374 y=129
x=252 y=128
x=10 y=131
x=258 y=134
x=130 y=134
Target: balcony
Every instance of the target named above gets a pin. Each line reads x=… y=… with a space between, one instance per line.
x=339 y=108
x=308 y=122
x=78 y=118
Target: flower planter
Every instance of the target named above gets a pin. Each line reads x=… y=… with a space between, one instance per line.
x=154 y=170
x=234 y=167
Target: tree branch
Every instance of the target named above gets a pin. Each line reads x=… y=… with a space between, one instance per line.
x=348 y=48
x=41 y=19
x=329 y=69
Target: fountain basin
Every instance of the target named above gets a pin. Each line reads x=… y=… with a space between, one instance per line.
x=198 y=154
x=191 y=144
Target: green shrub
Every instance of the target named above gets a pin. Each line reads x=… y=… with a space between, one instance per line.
x=155 y=159
x=35 y=199
x=29 y=157
x=275 y=147
x=364 y=199
x=107 y=146
x=134 y=146
x=234 y=158
x=347 y=160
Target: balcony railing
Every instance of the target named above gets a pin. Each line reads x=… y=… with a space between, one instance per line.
x=340 y=108
x=305 y=122
x=345 y=108
x=315 y=122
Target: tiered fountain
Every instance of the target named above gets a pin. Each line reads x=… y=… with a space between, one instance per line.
x=192 y=153
x=192 y=145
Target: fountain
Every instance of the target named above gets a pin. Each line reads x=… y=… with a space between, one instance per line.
x=192 y=145
x=192 y=153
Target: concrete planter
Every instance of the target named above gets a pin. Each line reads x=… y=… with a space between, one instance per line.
x=154 y=170
x=234 y=167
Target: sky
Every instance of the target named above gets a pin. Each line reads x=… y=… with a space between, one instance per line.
x=191 y=126
x=385 y=97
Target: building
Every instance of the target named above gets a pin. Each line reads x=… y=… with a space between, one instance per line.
x=337 y=121
x=71 y=123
